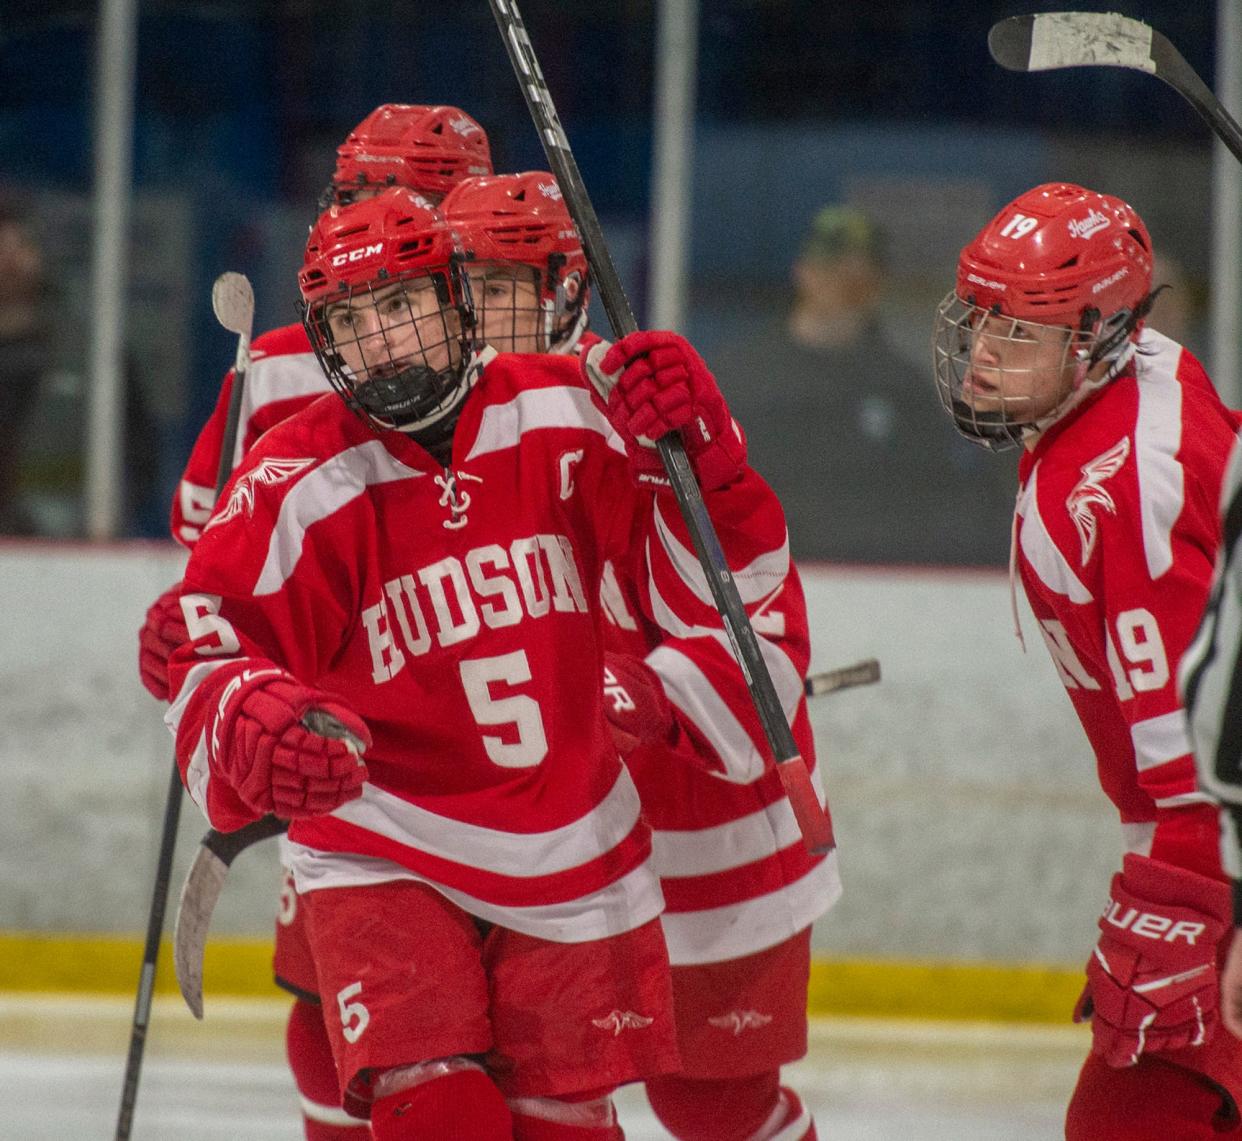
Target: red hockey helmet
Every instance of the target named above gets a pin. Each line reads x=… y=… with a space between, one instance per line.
x=388 y=313
x=1060 y=265
x=1059 y=255
x=521 y=219
x=426 y=148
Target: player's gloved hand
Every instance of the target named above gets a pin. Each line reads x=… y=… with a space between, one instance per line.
x=161 y=633
x=638 y=711
x=265 y=745
x=662 y=386
x=1152 y=980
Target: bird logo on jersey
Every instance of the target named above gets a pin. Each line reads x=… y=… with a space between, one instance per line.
x=1089 y=493
x=619 y=1020
x=269 y=472
x=739 y=1020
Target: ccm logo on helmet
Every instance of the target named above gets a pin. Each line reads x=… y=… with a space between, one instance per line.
x=358 y=255
x=1150 y=926
x=1091 y=224
x=1116 y=277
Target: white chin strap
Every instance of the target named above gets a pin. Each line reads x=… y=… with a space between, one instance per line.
x=566 y=342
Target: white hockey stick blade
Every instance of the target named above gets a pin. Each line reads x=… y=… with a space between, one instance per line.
x=232 y=301
x=1053 y=40
x=199 y=893
x=847 y=677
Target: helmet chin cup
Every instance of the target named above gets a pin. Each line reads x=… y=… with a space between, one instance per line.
x=406 y=398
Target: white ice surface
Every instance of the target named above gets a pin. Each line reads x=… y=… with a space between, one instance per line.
x=62 y=1061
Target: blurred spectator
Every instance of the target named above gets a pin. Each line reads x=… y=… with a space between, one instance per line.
x=843 y=427
x=24 y=343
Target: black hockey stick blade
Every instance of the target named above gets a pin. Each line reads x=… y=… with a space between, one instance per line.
x=202 y=888
x=866 y=672
x=1049 y=41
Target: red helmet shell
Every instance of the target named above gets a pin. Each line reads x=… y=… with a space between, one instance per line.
x=395 y=234
x=427 y=148
x=517 y=218
x=1056 y=252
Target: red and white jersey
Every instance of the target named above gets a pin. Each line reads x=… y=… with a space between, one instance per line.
x=283 y=378
x=1116 y=534
x=736 y=875
x=454 y=609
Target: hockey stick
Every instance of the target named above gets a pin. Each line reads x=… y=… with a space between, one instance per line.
x=1053 y=40
x=205 y=879
x=847 y=677
x=232 y=300
x=812 y=820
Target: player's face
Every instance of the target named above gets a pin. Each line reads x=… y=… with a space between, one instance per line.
x=1021 y=369
x=382 y=331
x=506 y=299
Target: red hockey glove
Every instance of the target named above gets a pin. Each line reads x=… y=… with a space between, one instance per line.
x=1152 y=980
x=162 y=632
x=663 y=386
x=635 y=704
x=264 y=749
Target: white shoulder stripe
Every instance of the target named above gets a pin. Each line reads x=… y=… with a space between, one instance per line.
x=1041 y=552
x=320 y=493
x=1157 y=438
x=503 y=425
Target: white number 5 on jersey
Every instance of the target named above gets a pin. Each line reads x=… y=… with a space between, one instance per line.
x=518 y=709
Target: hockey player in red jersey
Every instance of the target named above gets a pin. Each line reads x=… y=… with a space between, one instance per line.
x=1124 y=443
x=741 y=890
x=414 y=561
x=428 y=149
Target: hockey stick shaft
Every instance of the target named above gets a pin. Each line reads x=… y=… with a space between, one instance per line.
x=1050 y=41
x=172 y=806
x=812 y=820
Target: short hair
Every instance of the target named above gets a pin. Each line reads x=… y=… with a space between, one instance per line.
x=836 y=231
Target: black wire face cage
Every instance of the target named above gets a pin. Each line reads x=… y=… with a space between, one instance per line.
x=998 y=406
x=397 y=349
x=513 y=316
x=346 y=194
